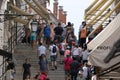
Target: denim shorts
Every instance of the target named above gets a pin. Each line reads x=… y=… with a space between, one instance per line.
x=53 y=57
x=33 y=37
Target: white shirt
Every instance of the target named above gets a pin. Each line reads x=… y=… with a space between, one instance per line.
x=76 y=51
x=85 y=54
x=94 y=77
x=51 y=48
x=63 y=48
x=41 y=50
x=85 y=72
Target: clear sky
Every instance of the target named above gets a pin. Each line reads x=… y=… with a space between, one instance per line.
x=75 y=10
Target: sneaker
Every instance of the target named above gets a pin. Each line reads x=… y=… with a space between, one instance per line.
x=61 y=62
x=55 y=67
x=52 y=69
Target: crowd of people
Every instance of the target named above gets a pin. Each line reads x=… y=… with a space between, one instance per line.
x=73 y=55
x=60 y=41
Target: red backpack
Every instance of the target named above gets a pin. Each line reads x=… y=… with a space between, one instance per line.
x=60 y=46
x=43 y=77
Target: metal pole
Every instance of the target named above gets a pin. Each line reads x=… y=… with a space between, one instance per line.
x=16 y=31
x=11 y=39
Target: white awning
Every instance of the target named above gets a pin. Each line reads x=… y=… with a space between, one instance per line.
x=103 y=44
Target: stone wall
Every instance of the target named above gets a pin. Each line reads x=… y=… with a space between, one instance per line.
x=1 y=3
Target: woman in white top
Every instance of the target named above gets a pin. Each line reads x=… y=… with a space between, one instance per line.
x=76 y=52
x=84 y=54
x=85 y=71
x=41 y=50
x=94 y=77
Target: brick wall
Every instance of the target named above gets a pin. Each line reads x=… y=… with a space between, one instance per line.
x=58 y=12
x=55 y=8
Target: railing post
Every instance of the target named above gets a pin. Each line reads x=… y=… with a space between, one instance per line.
x=16 y=31
x=11 y=40
x=4 y=67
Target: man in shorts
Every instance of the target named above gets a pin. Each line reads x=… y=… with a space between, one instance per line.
x=33 y=39
x=53 y=55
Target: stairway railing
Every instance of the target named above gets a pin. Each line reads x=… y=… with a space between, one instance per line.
x=90 y=6
x=95 y=8
x=12 y=42
x=3 y=67
x=14 y=39
x=102 y=18
x=108 y=70
x=106 y=17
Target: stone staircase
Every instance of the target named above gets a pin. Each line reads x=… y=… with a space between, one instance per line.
x=57 y=74
x=23 y=51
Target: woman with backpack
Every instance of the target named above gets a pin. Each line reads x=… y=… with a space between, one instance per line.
x=53 y=55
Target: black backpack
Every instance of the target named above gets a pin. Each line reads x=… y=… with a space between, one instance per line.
x=54 y=49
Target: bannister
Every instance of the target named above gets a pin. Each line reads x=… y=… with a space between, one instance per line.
x=36 y=10
x=13 y=39
x=13 y=42
x=107 y=16
x=94 y=8
x=97 y=9
x=3 y=67
x=105 y=7
x=90 y=6
x=21 y=20
x=99 y=18
x=19 y=11
x=41 y=7
x=112 y=68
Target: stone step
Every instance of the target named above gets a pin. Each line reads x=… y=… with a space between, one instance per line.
x=52 y=77
x=19 y=73
x=25 y=51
